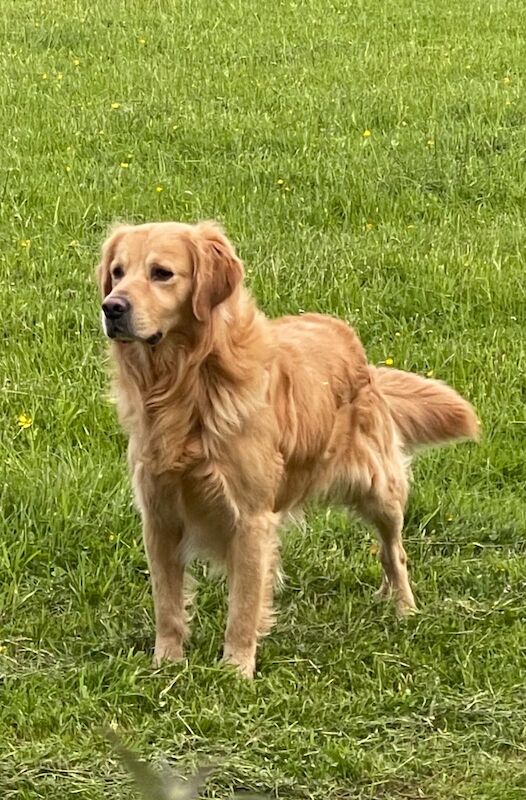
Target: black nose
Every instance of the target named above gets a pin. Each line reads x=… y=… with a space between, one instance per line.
x=115 y=307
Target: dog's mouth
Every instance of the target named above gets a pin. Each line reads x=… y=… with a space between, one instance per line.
x=121 y=330
x=154 y=339
x=126 y=338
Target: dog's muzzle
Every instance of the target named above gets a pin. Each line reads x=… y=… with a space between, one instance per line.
x=117 y=317
x=117 y=322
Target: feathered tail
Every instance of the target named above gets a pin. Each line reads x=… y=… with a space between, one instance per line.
x=425 y=411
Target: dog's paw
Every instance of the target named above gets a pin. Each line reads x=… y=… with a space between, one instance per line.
x=404 y=609
x=244 y=665
x=167 y=650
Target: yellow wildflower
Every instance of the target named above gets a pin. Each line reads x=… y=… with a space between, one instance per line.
x=59 y=76
x=430 y=373
x=159 y=189
x=430 y=143
x=506 y=80
x=280 y=181
x=68 y=168
x=44 y=76
x=142 y=40
x=368 y=226
x=25 y=243
x=389 y=362
x=366 y=133
x=124 y=164
x=76 y=62
x=24 y=421
x=115 y=105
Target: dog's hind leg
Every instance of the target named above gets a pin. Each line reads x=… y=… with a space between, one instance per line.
x=384 y=509
x=393 y=559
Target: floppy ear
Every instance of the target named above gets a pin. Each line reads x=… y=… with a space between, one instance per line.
x=108 y=250
x=217 y=269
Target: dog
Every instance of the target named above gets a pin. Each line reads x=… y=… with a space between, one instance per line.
x=235 y=419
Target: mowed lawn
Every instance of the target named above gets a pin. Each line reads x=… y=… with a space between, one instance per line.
x=368 y=159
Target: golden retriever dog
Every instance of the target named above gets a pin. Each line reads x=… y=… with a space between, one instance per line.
x=235 y=419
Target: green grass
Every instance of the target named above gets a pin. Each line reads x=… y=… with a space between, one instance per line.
x=415 y=235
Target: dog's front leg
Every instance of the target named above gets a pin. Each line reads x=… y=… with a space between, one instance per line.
x=162 y=541
x=251 y=555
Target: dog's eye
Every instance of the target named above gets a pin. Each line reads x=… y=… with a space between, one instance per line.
x=161 y=274
x=117 y=272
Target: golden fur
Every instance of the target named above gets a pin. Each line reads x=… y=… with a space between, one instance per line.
x=234 y=419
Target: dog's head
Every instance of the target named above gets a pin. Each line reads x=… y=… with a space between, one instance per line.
x=163 y=277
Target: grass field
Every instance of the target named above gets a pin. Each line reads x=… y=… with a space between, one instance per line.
x=369 y=160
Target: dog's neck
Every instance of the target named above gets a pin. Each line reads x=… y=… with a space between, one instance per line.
x=182 y=399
